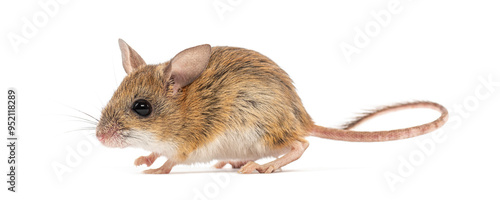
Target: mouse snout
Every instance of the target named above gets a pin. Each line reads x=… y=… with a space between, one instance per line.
x=109 y=136
x=101 y=135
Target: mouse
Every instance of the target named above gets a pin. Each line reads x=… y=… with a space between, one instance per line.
x=226 y=104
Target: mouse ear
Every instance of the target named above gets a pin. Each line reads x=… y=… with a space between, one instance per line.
x=130 y=58
x=188 y=65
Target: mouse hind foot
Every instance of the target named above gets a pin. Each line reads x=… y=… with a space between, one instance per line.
x=297 y=149
x=234 y=164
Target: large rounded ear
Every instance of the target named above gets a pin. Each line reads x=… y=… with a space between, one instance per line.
x=130 y=58
x=188 y=65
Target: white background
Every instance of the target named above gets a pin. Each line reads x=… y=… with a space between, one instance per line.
x=427 y=50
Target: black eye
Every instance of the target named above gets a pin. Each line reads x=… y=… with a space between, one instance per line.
x=142 y=107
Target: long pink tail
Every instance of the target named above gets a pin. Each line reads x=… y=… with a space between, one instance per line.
x=378 y=136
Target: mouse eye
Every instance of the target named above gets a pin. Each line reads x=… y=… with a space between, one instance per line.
x=142 y=107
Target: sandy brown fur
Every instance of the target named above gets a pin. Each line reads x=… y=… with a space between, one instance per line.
x=219 y=100
x=225 y=103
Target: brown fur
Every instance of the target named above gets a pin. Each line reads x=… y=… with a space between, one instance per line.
x=204 y=93
x=219 y=100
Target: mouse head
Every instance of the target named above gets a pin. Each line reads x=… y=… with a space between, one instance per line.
x=144 y=107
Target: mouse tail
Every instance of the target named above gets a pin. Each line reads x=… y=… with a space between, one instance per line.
x=345 y=134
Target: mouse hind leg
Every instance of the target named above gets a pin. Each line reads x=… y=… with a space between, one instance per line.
x=296 y=150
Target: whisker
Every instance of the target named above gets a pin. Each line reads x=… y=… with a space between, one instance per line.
x=82 y=129
x=80 y=119
x=87 y=114
x=97 y=120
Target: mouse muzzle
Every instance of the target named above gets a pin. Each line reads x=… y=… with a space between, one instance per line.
x=111 y=136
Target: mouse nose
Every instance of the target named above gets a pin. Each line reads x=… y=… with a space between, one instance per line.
x=100 y=138
x=103 y=136
x=105 y=133
x=100 y=134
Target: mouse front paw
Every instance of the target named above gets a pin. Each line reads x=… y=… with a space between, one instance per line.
x=146 y=160
x=164 y=169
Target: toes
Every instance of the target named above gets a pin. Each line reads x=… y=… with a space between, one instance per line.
x=143 y=160
x=267 y=168
x=139 y=161
x=249 y=168
x=157 y=171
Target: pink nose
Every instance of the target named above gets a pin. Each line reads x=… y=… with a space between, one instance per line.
x=104 y=134
x=101 y=135
x=100 y=138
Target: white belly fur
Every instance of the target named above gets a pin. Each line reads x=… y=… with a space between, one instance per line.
x=233 y=145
